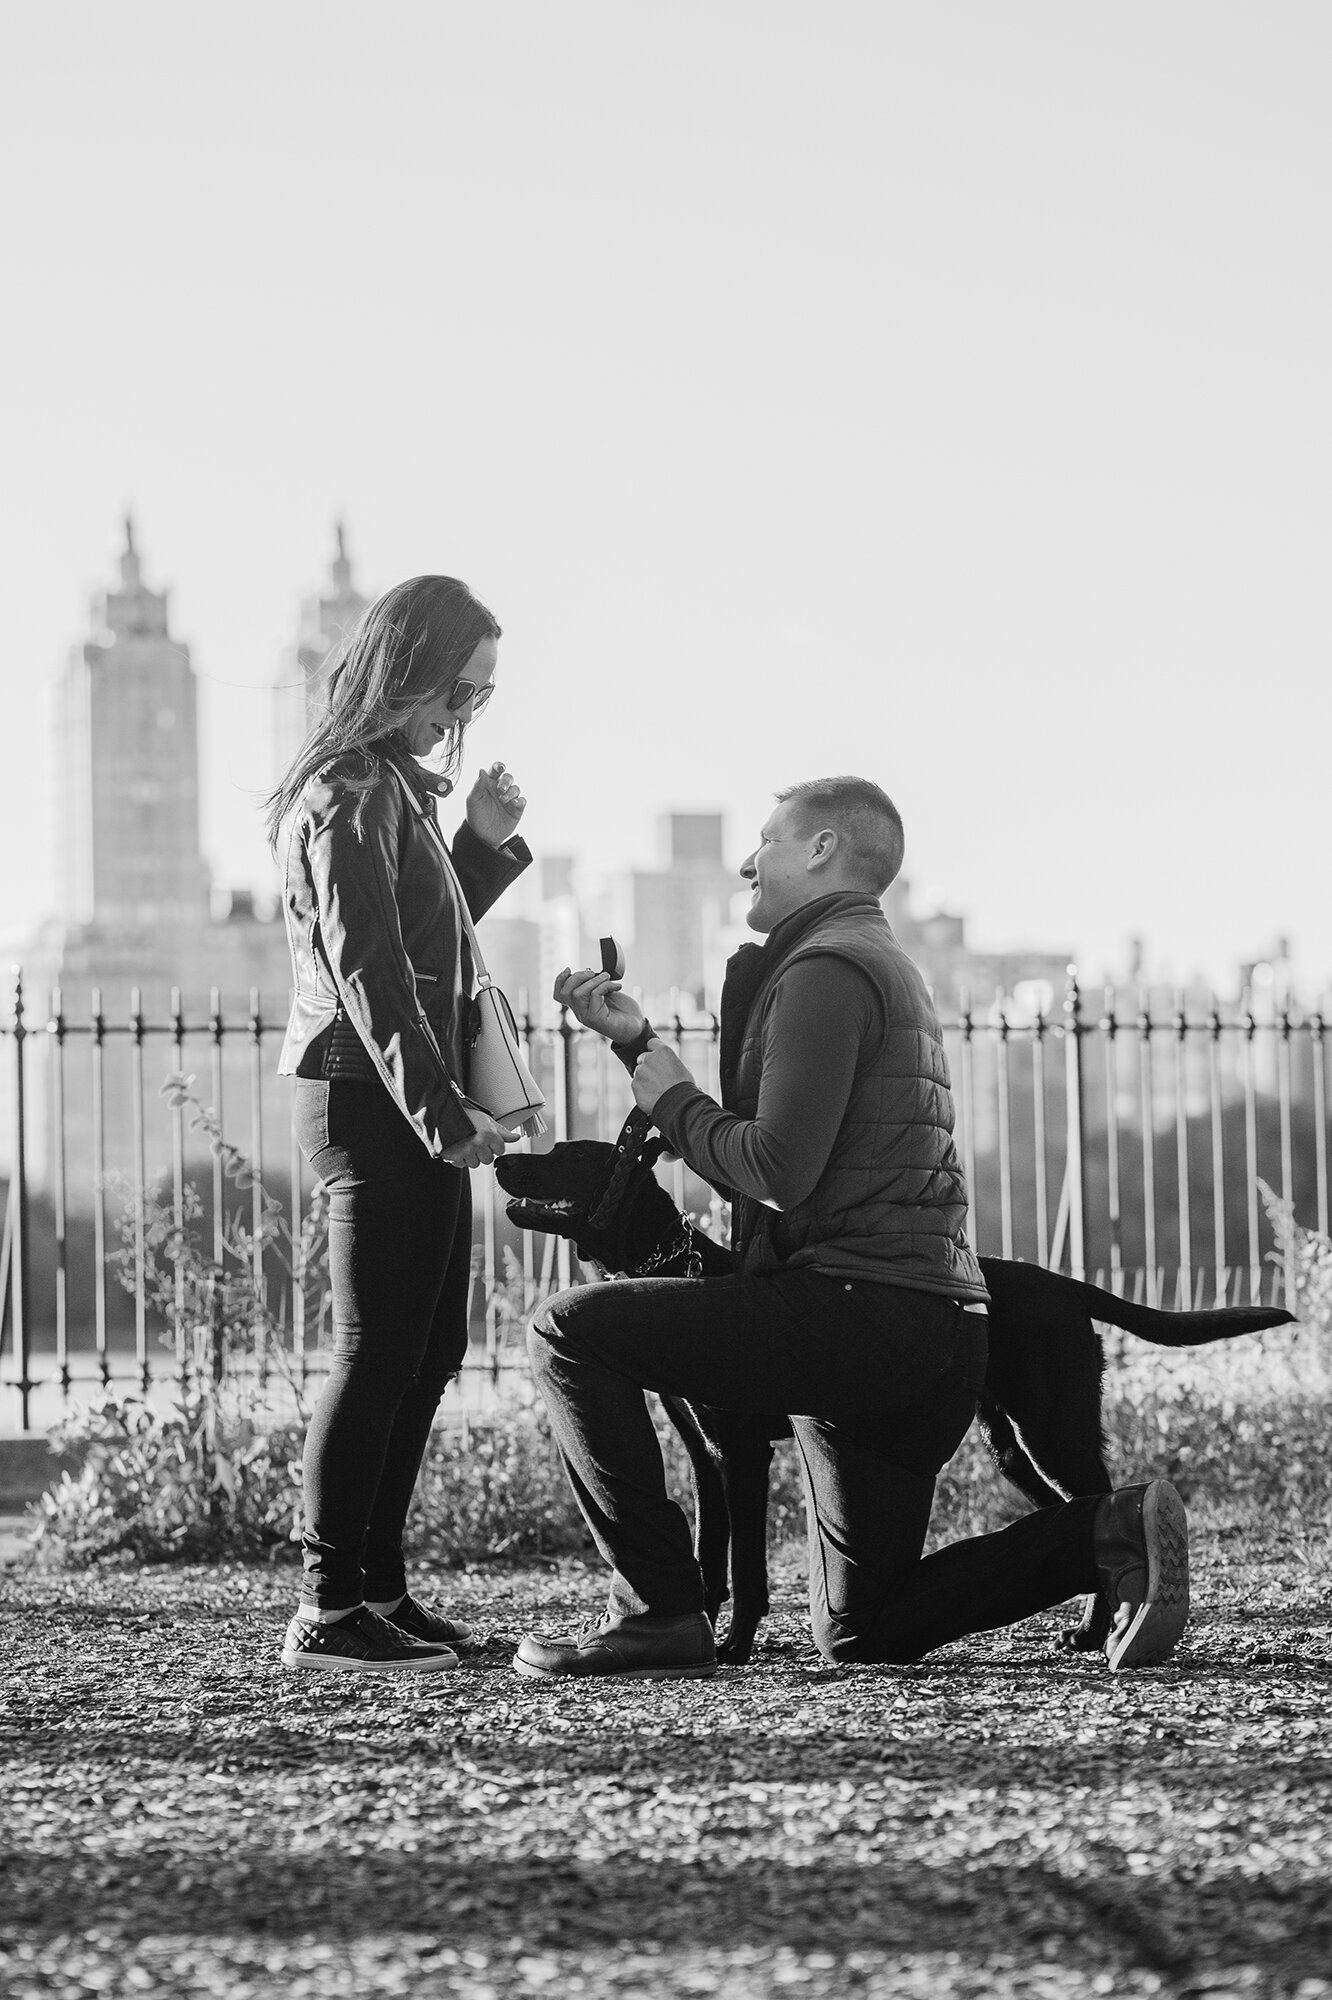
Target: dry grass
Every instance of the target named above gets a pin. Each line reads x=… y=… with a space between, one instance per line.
x=183 y=1819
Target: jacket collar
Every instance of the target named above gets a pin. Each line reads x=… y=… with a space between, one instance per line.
x=423 y=789
x=752 y=969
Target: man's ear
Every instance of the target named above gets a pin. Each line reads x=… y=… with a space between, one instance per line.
x=822 y=847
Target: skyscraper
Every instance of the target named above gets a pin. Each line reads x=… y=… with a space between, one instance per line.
x=327 y=618
x=128 y=816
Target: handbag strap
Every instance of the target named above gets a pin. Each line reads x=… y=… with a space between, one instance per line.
x=426 y=815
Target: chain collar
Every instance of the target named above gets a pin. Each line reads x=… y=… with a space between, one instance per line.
x=674 y=1246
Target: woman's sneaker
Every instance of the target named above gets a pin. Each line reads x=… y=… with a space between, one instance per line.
x=418 y=1623
x=361 y=1643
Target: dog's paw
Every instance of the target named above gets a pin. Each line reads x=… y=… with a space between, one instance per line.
x=1089 y=1636
x=737 y=1648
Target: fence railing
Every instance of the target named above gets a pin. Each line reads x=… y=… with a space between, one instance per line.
x=1126 y=1141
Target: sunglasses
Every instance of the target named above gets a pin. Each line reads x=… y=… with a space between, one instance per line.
x=464 y=691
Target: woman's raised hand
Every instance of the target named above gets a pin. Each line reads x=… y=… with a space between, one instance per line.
x=486 y=1144
x=495 y=805
x=595 y=999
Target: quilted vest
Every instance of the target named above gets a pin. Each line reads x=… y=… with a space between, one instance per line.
x=891 y=1203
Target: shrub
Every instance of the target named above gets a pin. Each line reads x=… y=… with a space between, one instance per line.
x=214 y=1472
x=196 y=1480
x=493 y=1488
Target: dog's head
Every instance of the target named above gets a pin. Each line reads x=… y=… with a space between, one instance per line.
x=568 y=1192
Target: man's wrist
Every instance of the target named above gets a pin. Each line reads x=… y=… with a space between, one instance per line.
x=629 y=1052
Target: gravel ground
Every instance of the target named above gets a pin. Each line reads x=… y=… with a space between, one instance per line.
x=183 y=1818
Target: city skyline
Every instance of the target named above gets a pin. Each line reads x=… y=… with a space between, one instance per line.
x=323 y=614
x=113 y=785
x=977 y=443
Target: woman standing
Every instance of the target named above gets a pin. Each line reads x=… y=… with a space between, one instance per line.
x=383 y=977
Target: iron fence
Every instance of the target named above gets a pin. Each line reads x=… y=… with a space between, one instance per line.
x=1127 y=1141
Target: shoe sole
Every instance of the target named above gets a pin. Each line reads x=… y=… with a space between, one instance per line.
x=1161 y=1617
x=698 y=1673
x=326 y=1663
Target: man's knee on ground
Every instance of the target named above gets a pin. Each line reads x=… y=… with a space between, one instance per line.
x=844 y=1642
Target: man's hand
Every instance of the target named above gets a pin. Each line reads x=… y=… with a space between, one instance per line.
x=487 y=1142
x=495 y=805
x=655 y=1072
x=595 y=999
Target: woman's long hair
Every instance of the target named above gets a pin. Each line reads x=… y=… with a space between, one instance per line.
x=411 y=645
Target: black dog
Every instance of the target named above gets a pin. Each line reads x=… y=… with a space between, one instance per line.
x=1040 y=1409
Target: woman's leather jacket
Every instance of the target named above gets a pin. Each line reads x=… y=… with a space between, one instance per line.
x=377 y=942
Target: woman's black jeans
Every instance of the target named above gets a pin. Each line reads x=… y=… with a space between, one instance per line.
x=399 y=1254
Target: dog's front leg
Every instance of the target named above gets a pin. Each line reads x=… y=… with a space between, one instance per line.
x=742 y=1444
x=712 y=1523
x=745 y=1470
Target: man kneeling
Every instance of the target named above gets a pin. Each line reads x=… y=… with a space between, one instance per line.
x=855 y=1300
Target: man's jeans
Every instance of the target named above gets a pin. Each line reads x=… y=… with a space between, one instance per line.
x=888 y=1379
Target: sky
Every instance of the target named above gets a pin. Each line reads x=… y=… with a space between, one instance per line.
x=938 y=392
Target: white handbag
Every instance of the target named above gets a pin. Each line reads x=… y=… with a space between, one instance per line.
x=498 y=1079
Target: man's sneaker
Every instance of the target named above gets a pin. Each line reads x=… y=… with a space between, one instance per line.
x=418 y=1623
x=641 y=1648
x=361 y=1643
x=1141 y=1540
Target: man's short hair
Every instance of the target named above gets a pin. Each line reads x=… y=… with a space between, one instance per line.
x=866 y=821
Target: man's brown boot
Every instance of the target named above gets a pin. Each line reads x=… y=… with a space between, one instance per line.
x=1141 y=1540
x=640 y=1648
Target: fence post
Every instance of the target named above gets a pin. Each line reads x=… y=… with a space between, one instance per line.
x=216 y=1031
x=1109 y=1032
x=566 y=1107
x=1320 y=1118
x=258 y=1281
x=17 y=1216
x=1183 y=1185
x=1075 y=1163
x=1284 y=1095
x=999 y=1023
x=967 y=1076
x=1249 y=1028
x=55 y=1028
x=137 y=1031
x=1038 y=1028
x=1221 y=1270
x=178 y=1189
x=97 y=1032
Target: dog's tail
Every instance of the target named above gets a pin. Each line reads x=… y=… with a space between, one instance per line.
x=1028 y=1286
x=1181 y=1329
